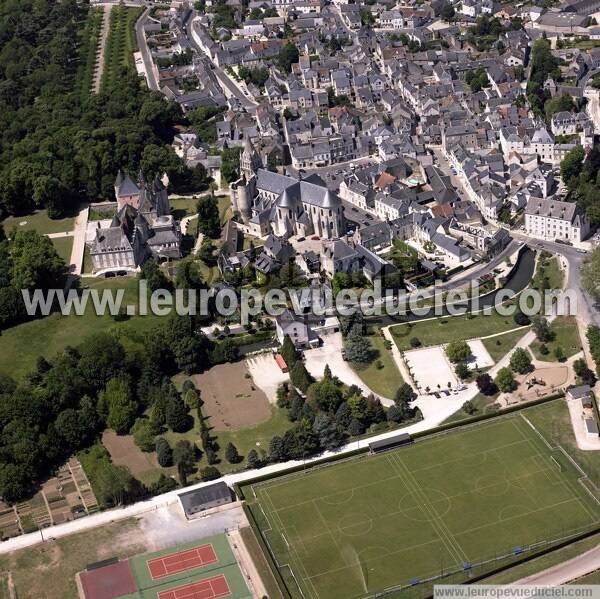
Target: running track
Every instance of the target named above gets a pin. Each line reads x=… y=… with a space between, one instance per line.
x=182 y=560
x=209 y=588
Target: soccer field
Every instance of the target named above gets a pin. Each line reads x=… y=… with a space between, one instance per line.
x=358 y=527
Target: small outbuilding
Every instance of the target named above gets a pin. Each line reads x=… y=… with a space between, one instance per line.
x=581 y=392
x=390 y=443
x=205 y=498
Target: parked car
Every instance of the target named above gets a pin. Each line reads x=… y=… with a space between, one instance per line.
x=581 y=251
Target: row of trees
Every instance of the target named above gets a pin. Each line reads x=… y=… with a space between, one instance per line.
x=593 y=337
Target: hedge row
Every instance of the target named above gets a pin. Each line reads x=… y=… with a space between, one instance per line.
x=593 y=337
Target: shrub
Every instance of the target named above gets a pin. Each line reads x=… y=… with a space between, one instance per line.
x=209 y=473
x=164 y=454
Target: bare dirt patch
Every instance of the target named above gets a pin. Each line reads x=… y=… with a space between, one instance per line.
x=231 y=400
x=539 y=383
x=124 y=452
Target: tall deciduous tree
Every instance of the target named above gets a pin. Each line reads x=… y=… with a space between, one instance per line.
x=208 y=216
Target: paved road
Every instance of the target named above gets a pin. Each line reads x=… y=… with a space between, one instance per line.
x=585 y=307
x=145 y=51
x=78 y=249
x=567 y=571
x=227 y=85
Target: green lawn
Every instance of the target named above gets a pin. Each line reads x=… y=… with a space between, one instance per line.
x=224 y=208
x=210 y=274
x=181 y=207
x=548 y=268
x=553 y=421
x=580 y=44
x=566 y=336
x=39 y=221
x=499 y=346
x=20 y=346
x=482 y=404
x=450 y=328
x=383 y=381
x=87 y=261
x=63 y=246
x=356 y=527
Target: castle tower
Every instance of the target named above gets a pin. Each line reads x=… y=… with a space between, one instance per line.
x=250 y=161
x=242 y=193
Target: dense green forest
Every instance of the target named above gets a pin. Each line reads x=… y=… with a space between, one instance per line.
x=58 y=144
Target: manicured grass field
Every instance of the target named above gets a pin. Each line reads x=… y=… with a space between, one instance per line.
x=357 y=527
x=64 y=246
x=450 y=328
x=554 y=422
x=39 y=221
x=500 y=345
x=483 y=404
x=383 y=381
x=21 y=345
x=566 y=336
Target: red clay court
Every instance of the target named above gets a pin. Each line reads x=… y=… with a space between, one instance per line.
x=209 y=588
x=181 y=561
x=110 y=581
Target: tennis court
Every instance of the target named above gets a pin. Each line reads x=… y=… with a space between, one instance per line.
x=181 y=561
x=203 y=569
x=447 y=502
x=209 y=588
